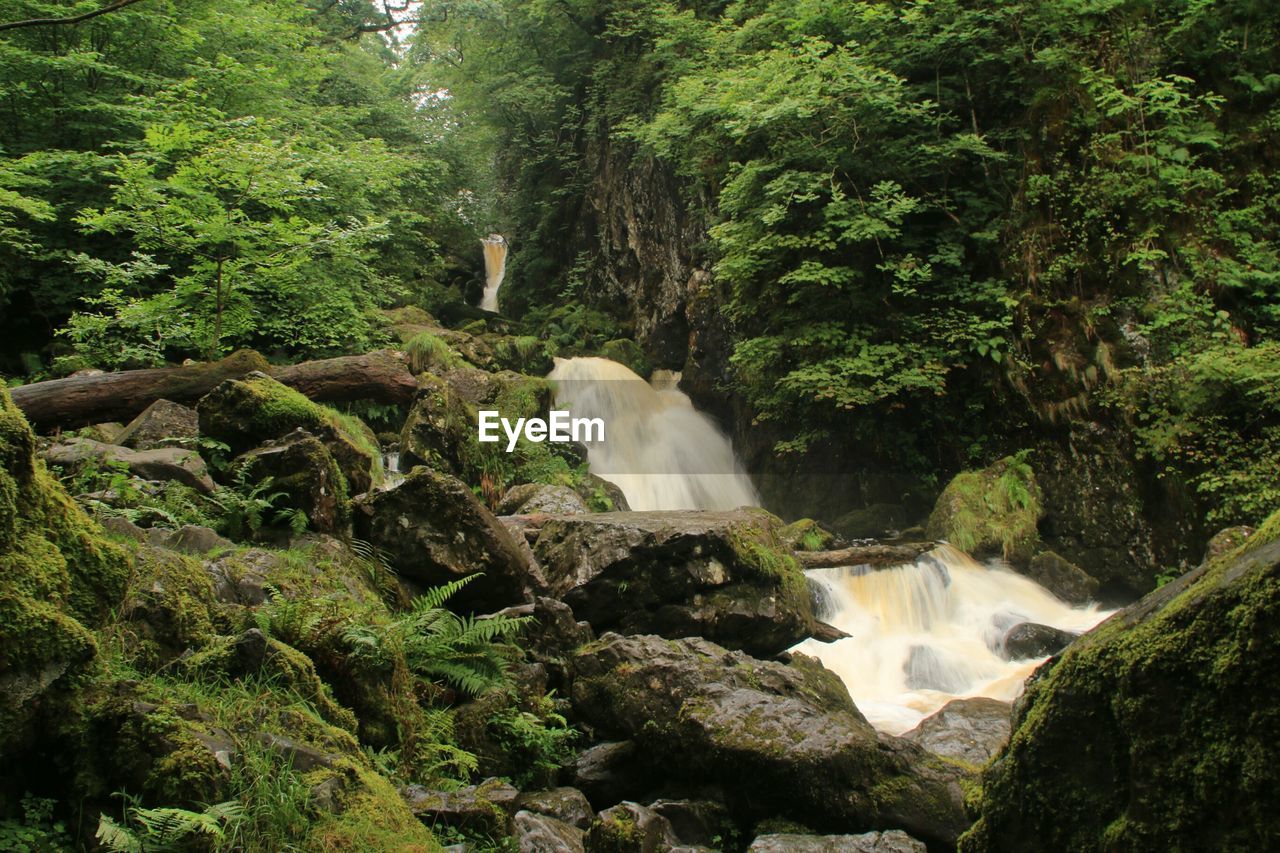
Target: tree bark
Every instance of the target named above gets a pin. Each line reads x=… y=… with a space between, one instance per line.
x=77 y=401
x=864 y=555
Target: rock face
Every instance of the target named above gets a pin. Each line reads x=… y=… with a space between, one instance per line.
x=433 y=529
x=247 y=413
x=720 y=575
x=777 y=737
x=1156 y=730
x=159 y=421
x=968 y=730
x=894 y=841
x=166 y=463
x=301 y=467
x=1031 y=640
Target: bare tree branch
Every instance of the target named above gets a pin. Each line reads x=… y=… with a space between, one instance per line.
x=73 y=19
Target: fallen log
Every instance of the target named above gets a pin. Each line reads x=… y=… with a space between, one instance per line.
x=864 y=555
x=77 y=401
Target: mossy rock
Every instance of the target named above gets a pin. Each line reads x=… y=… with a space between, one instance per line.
x=1158 y=730
x=628 y=352
x=806 y=535
x=246 y=413
x=169 y=606
x=59 y=578
x=991 y=512
x=303 y=470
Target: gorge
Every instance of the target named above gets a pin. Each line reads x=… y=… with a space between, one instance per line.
x=933 y=347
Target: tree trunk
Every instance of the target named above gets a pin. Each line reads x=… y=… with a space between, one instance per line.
x=864 y=555
x=77 y=401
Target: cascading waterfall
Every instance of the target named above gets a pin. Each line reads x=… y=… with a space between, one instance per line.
x=495 y=267
x=661 y=451
x=932 y=631
x=920 y=634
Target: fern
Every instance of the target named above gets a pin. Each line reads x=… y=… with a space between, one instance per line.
x=438 y=644
x=161 y=829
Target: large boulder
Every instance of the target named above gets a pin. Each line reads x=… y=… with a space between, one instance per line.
x=529 y=498
x=968 y=730
x=162 y=464
x=701 y=713
x=539 y=833
x=630 y=828
x=301 y=467
x=1062 y=577
x=991 y=512
x=161 y=421
x=433 y=529
x=720 y=575
x=246 y=413
x=1157 y=730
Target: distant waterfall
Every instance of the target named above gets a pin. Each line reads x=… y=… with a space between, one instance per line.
x=495 y=267
x=929 y=632
x=660 y=450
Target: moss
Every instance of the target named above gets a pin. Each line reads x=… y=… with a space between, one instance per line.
x=169 y=605
x=628 y=352
x=1158 y=729
x=428 y=352
x=806 y=535
x=992 y=511
x=59 y=577
x=371 y=816
x=247 y=412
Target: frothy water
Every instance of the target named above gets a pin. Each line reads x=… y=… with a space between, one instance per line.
x=495 y=267
x=661 y=451
x=929 y=632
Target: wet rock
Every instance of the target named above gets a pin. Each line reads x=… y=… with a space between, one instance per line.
x=483 y=808
x=695 y=822
x=602 y=495
x=806 y=535
x=535 y=497
x=610 y=772
x=163 y=464
x=301 y=467
x=1031 y=640
x=540 y=833
x=565 y=804
x=630 y=828
x=1063 y=578
x=247 y=413
x=969 y=730
x=433 y=529
x=894 y=841
x=160 y=421
x=1225 y=541
x=1157 y=729
x=759 y=728
x=721 y=575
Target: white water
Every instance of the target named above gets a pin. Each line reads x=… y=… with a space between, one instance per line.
x=495 y=267
x=658 y=449
x=920 y=635
x=392 y=476
x=926 y=633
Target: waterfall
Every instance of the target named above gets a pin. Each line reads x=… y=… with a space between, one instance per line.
x=495 y=267
x=661 y=451
x=929 y=632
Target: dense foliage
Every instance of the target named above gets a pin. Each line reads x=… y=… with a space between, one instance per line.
x=954 y=218
x=182 y=179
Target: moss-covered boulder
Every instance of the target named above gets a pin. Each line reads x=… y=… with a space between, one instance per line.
x=433 y=529
x=160 y=424
x=304 y=471
x=777 y=738
x=169 y=606
x=721 y=575
x=1158 y=730
x=59 y=577
x=991 y=512
x=247 y=413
